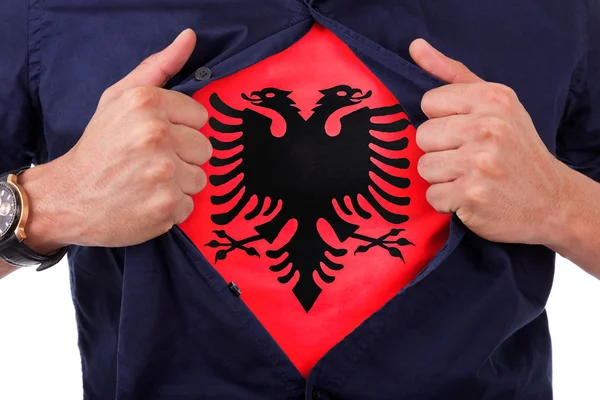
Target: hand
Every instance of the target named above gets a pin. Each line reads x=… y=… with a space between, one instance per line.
x=484 y=158
x=131 y=176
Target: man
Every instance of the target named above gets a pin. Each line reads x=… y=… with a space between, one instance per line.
x=349 y=224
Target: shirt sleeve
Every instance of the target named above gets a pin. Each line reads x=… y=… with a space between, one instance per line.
x=21 y=141
x=578 y=141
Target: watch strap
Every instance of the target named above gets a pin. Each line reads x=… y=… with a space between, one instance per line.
x=18 y=254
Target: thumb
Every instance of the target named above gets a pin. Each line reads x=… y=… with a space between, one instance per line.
x=157 y=69
x=440 y=66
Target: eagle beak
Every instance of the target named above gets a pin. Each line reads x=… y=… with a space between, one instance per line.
x=256 y=100
x=365 y=96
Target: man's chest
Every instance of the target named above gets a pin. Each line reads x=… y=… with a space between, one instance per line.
x=86 y=46
x=314 y=206
x=313 y=190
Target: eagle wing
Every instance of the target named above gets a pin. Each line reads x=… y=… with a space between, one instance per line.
x=373 y=149
x=247 y=156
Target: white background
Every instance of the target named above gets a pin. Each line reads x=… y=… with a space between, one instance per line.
x=39 y=358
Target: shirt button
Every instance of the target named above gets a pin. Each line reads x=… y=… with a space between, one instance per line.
x=235 y=289
x=203 y=73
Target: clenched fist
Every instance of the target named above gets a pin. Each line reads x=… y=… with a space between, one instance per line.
x=484 y=158
x=131 y=176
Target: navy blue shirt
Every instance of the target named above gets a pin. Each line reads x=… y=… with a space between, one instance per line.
x=156 y=321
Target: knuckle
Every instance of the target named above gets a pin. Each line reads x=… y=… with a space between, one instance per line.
x=480 y=130
x=108 y=95
x=498 y=125
x=150 y=60
x=184 y=210
x=206 y=149
x=154 y=133
x=167 y=225
x=167 y=204
x=475 y=194
x=508 y=91
x=462 y=71
x=198 y=180
x=500 y=96
x=459 y=66
x=486 y=162
x=201 y=179
x=162 y=170
x=427 y=101
x=493 y=128
x=141 y=97
x=423 y=165
x=421 y=136
x=203 y=113
x=431 y=196
x=188 y=208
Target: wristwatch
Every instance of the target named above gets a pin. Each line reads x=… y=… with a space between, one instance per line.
x=14 y=210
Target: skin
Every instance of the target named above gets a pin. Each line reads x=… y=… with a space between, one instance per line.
x=487 y=163
x=130 y=177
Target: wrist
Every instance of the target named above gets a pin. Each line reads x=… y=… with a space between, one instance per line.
x=564 y=223
x=47 y=226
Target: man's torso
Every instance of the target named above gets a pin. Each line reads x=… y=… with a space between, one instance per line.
x=81 y=48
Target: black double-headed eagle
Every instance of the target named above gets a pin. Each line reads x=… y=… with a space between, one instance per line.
x=302 y=174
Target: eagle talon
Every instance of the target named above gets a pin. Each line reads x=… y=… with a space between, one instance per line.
x=384 y=243
x=232 y=244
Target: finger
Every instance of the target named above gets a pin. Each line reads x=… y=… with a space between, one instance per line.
x=191 y=179
x=445 y=133
x=157 y=69
x=442 y=197
x=460 y=98
x=184 y=209
x=183 y=110
x=469 y=98
x=439 y=65
x=191 y=146
x=441 y=166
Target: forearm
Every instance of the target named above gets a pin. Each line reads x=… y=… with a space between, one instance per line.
x=43 y=230
x=5 y=269
x=574 y=230
x=42 y=233
x=50 y=222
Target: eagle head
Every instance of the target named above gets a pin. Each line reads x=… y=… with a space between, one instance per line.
x=269 y=98
x=342 y=96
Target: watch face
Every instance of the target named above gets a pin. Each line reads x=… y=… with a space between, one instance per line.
x=8 y=209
